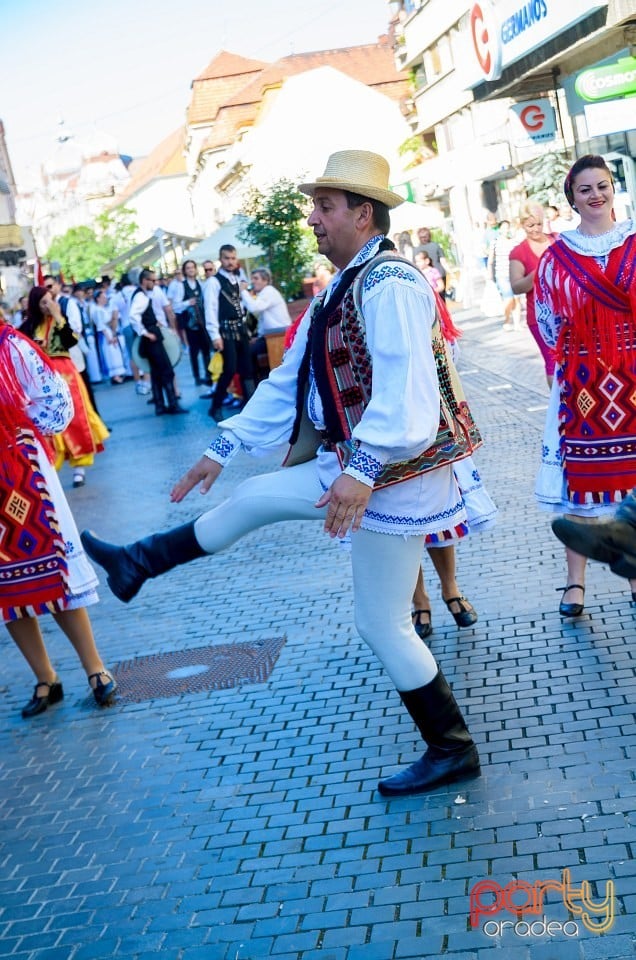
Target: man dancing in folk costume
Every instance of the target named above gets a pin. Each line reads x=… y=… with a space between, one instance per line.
x=359 y=392
x=43 y=568
x=586 y=310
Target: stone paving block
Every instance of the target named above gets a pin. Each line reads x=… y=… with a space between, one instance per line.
x=608 y=947
x=345 y=937
x=206 y=952
x=330 y=954
x=418 y=948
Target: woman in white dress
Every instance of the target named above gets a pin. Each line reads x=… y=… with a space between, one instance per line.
x=111 y=341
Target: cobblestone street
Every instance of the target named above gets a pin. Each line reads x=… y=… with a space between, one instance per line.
x=244 y=822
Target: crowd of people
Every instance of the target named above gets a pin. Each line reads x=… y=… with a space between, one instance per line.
x=381 y=437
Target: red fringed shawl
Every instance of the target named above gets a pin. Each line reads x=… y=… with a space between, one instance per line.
x=33 y=570
x=596 y=351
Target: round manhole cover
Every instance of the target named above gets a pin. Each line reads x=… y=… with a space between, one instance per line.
x=191 y=671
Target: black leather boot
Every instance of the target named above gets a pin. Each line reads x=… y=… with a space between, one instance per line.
x=612 y=541
x=248 y=386
x=451 y=753
x=157 y=398
x=173 y=404
x=129 y=567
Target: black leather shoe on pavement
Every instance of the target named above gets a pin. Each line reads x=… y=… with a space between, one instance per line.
x=571 y=609
x=451 y=753
x=422 y=623
x=38 y=704
x=435 y=768
x=103 y=692
x=466 y=615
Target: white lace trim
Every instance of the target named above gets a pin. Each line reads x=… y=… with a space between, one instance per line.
x=602 y=244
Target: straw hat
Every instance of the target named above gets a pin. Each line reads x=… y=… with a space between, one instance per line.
x=359 y=172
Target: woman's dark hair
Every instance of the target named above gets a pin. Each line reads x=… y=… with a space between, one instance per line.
x=184 y=264
x=586 y=162
x=381 y=215
x=34 y=314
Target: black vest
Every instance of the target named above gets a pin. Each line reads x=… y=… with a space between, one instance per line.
x=148 y=317
x=231 y=315
x=194 y=316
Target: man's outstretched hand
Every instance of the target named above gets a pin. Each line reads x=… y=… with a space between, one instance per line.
x=205 y=472
x=347 y=499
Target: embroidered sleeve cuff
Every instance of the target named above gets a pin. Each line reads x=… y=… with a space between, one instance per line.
x=224 y=448
x=363 y=466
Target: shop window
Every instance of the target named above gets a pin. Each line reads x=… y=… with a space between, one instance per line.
x=438 y=59
x=418 y=76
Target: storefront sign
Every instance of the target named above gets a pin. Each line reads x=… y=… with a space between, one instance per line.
x=613 y=80
x=537 y=119
x=505 y=31
x=612 y=116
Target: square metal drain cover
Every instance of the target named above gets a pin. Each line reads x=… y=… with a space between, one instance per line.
x=194 y=671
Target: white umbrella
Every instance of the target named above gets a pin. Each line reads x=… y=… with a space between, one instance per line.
x=208 y=249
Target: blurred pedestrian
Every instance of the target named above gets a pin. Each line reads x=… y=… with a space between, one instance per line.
x=145 y=323
x=227 y=328
x=188 y=307
x=424 y=264
x=434 y=250
x=266 y=303
x=85 y=434
x=523 y=262
x=111 y=342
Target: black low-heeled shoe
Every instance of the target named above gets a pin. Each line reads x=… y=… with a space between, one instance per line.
x=466 y=616
x=422 y=629
x=103 y=692
x=571 y=609
x=55 y=693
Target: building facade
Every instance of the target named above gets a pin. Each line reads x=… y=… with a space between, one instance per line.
x=16 y=244
x=495 y=84
x=250 y=122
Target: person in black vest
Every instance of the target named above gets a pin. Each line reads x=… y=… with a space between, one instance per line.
x=144 y=322
x=227 y=329
x=189 y=309
x=360 y=377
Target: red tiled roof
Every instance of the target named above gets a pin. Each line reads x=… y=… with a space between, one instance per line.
x=165 y=160
x=371 y=64
x=222 y=77
x=229 y=121
x=226 y=64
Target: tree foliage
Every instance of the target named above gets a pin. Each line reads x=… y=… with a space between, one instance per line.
x=82 y=251
x=546 y=176
x=275 y=223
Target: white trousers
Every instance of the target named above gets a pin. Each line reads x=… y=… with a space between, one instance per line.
x=385 y=567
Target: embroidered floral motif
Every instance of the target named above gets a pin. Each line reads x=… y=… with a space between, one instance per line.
x=378 y=274
x=365 y=464
x=222 y=447
x=367 y=249
x=416 y=521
